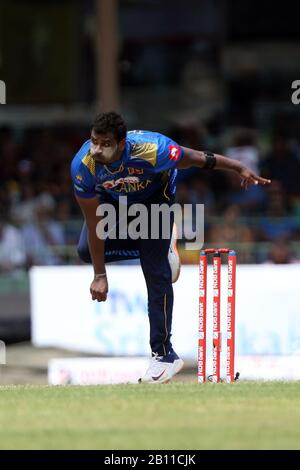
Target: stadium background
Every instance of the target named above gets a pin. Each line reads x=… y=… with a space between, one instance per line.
x=213 y=75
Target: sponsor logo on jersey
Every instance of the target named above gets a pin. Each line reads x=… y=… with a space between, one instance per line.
x=128 y=184
x=113 y=183
x=174 y=152
x=135 y=171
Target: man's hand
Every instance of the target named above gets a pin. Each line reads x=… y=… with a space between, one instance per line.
x=197 y=158
x=249 y=177
x=99 y=289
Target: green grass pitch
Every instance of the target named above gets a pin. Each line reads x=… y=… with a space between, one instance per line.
x=244 y=415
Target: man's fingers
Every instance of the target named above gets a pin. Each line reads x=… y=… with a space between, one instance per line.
x=99 y=296
x=259 y=179
x=244 y=184
x=254 y=179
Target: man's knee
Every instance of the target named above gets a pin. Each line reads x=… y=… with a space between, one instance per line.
x=158 y=280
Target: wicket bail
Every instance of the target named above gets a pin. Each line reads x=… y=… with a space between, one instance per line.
x=217 y=336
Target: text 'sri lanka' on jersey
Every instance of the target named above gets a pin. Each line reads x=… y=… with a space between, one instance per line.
x=148 y=163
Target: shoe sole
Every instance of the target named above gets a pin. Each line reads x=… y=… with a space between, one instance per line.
x=168 y=379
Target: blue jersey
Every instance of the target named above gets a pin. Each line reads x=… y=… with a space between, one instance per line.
x=147 y=164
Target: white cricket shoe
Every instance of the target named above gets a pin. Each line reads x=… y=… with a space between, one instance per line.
x=173 y=256
x=160 y=371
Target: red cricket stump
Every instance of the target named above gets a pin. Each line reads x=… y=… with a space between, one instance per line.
x=202 y=318
x=231 y=316
x=217 y=335
x=216 y=316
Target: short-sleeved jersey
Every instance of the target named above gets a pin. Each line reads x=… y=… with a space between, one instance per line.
x=147 y=164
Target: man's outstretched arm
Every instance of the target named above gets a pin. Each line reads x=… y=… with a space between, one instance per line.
x=219 y=162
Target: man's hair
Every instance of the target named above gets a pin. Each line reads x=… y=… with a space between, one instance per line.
x=110 y=122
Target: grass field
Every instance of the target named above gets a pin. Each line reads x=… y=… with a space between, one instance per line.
x=245 y=415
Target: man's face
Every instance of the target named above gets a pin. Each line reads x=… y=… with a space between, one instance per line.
x=104 y=148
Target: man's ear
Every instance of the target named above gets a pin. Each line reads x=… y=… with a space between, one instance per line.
x=122 y=144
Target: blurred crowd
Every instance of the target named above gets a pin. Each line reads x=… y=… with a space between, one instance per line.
x=36 y=199
x=40 y=220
